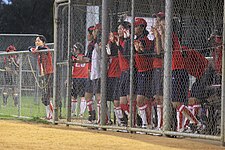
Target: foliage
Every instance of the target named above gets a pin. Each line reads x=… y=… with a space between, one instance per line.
x=27 y=16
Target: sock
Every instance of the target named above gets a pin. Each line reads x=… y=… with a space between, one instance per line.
x=159 y=116
x=73 y=105
x=99 y=110
x=83 y=105
x=90 y=105
x=180 y=125
x=142 y=111
x=50 y=109
x=186 y=120
x=48 y=112
x=118 y=114
x=187 y=113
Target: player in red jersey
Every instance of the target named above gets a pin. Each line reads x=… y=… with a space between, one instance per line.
x=11 y=65
x=113 y=75
x=143 y=63
x=46 y=72
x=93 y=83
x=180 y=80
x=157 y=72
x=80 y=76
x=123 y=43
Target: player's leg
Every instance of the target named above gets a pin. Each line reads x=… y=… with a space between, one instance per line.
x=5 y=95
x=89 y=98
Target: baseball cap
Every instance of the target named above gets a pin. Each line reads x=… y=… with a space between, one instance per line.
x=90 y=29
x=140 y=21
x=98 y=26
x=10 y=48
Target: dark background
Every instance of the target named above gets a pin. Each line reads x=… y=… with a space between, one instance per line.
x=27 y=17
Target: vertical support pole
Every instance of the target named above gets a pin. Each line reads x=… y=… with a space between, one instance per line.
x=55 y=110
x=223 y=84
x=69 y=65
x=132 y=65
x=105 y=31
x=167 y=67
x=20 y=84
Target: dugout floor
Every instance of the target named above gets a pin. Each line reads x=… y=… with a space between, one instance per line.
x=18 y=135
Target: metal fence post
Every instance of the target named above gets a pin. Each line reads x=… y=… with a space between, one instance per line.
x=69 y=64
x=56 y=51
x=20 y=84
x=105 y=31
x=132 y=64
x=167 y=67
x=223 y=84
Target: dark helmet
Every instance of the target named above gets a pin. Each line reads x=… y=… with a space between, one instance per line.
x=79 y=46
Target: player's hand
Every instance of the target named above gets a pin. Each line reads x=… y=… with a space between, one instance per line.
x=126 y=33
x=138 y=46
x=108 y=50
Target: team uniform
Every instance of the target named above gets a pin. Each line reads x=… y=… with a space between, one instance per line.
x=11 y=65
x=94 y=82
x=46 y=73
x=143 y=64
x=80 y=77
x=113 y=79
x=157 y=87
x=180 y=83
x=113 y=74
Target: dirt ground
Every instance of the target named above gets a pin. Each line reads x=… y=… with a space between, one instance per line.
x=19 y=135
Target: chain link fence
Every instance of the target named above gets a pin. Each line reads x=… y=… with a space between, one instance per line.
x=134 y=66
x=140 y=83
x=21 y=83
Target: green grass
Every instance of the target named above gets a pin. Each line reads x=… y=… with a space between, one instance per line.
x=30 y=108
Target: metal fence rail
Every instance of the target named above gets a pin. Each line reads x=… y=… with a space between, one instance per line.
x=194 y=25
x=171 y=81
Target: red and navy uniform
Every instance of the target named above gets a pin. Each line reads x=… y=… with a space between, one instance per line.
x=80 y=76
x=124 y=63
x=123 y=55
x=113 y=73
x=157 y=76
x=46 y=67
x=180 y=78
x=143 y=61
x=143 y=64
x=45 y=61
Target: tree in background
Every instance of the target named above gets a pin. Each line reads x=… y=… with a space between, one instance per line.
x=27 y=16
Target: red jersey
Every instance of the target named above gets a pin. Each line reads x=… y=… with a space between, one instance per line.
x=177 y=58
x=80 y=70
x=217 y=59
x=157 y=63
x=45 y=61
x=114 y=69
x=143 y=62
x=123 y=62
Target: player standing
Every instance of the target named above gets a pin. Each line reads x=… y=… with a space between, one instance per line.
x=46 y=73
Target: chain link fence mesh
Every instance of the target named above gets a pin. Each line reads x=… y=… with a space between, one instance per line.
x=195 y=90
x=196 y=58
